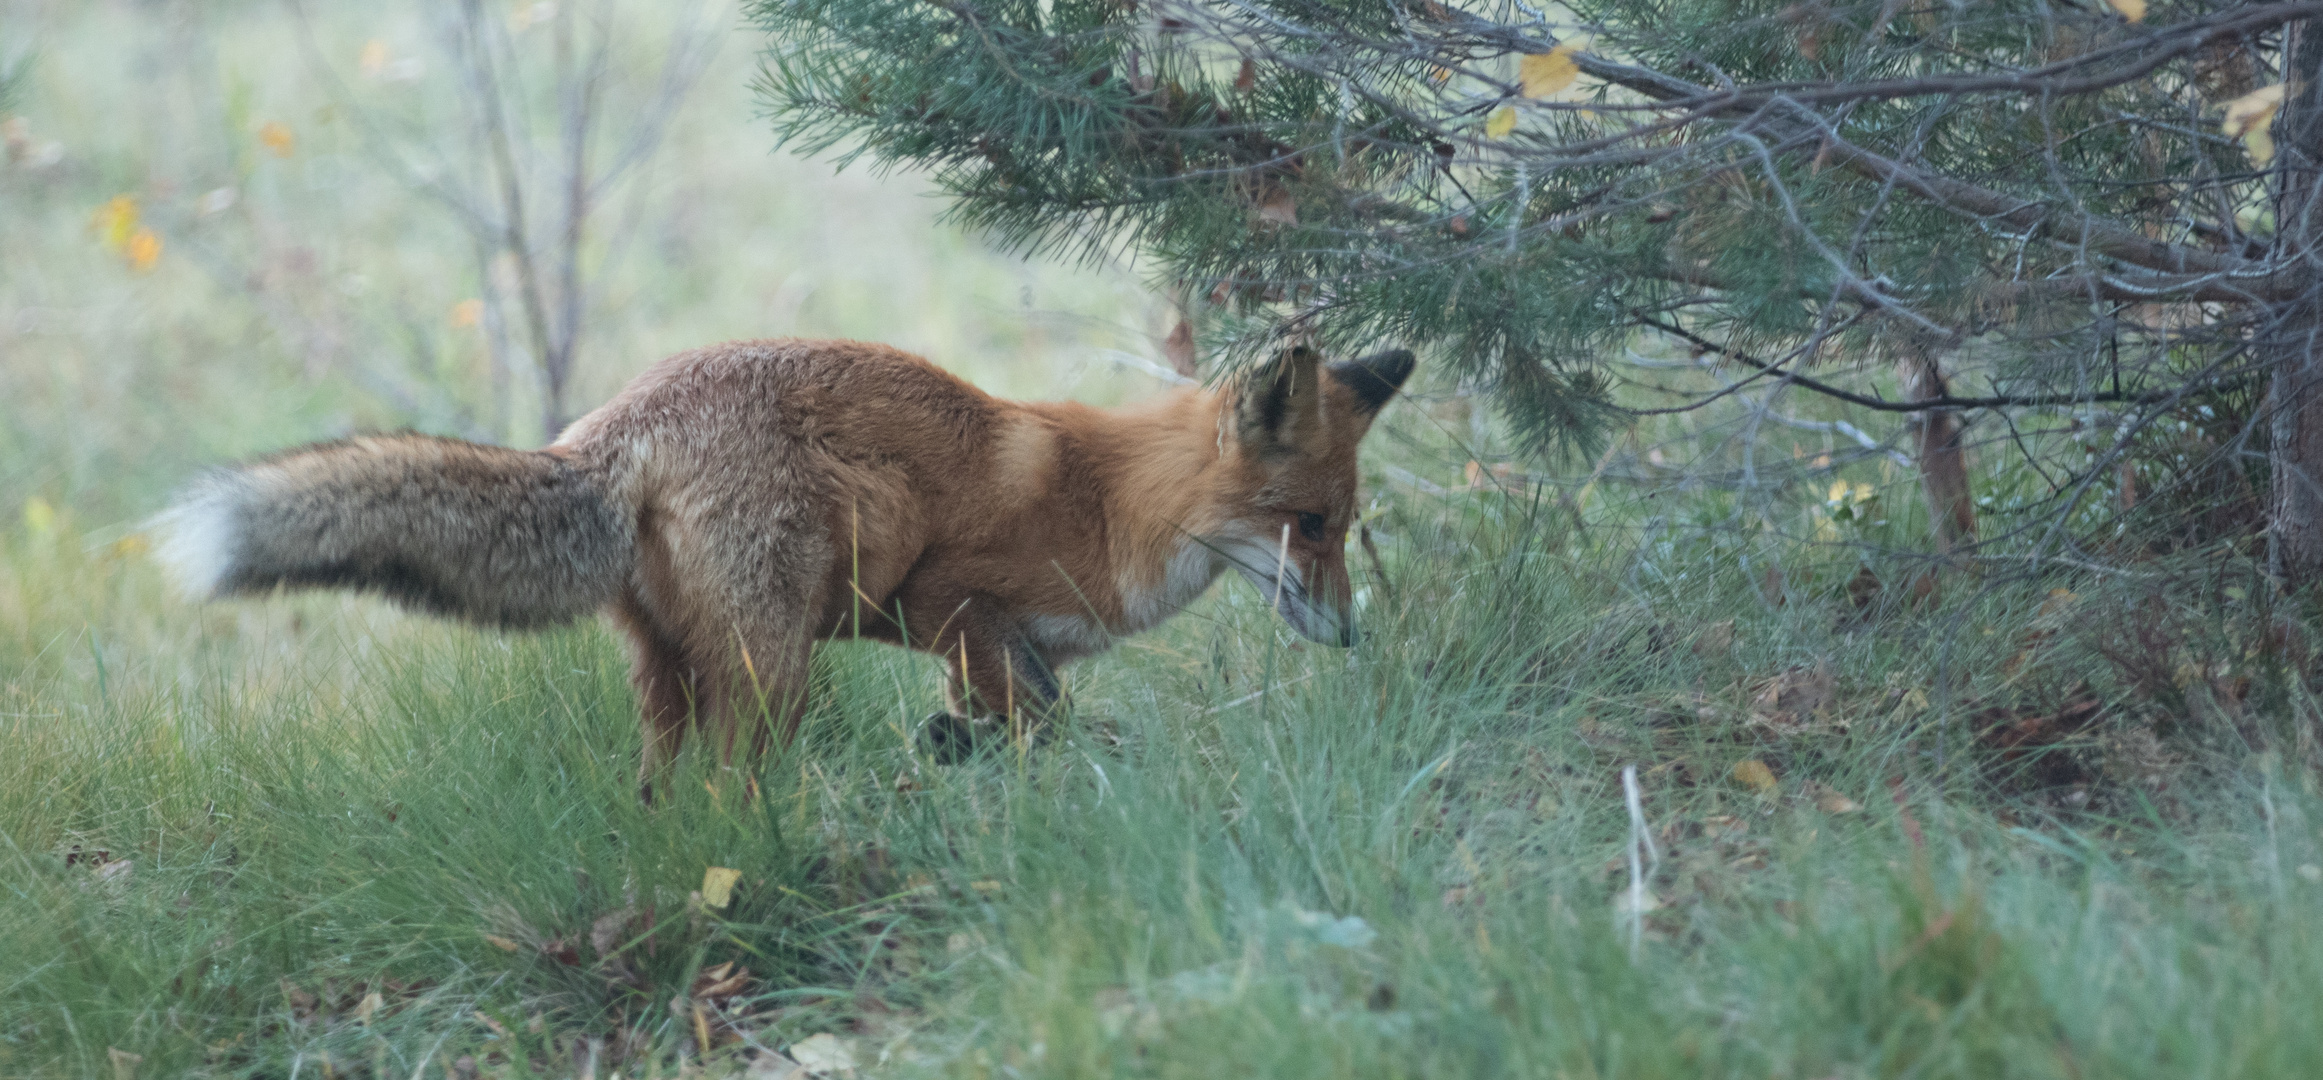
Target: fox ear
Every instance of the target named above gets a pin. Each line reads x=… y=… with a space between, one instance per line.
x=1281 y=403
x=1374 y=378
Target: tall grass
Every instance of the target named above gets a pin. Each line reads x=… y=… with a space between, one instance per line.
x=1241 y=854
x=308 y=836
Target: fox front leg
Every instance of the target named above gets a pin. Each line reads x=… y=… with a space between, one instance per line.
x=994 y=687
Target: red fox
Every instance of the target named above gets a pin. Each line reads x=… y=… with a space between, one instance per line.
x=734 y=504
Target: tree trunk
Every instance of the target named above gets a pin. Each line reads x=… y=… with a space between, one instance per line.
x=2295 y=400
x=1936 y=447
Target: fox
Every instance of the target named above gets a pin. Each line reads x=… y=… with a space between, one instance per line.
x=734 y=505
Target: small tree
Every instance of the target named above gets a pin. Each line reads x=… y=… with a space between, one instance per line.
x=1931 y=210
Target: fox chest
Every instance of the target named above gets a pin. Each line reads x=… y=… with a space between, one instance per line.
x=1146 y=600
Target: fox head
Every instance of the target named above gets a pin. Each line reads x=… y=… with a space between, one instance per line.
x=1289 y=433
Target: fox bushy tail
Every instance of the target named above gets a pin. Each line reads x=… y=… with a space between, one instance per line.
x=511 y=538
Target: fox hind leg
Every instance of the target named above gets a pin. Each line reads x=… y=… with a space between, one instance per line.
x=669 y=690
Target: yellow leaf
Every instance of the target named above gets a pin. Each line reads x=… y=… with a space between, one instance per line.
x=2133 y=10
x=115 y=221
x=368 y=1007
x=467 y=313
x=1753 y=774
x=39 y=516
x=1501 y=122
x=278 y=138
x=144 y=250
x=1542 y=74
x=718 y=886
x=2260 y=145
x=2248 y=117
x=132 y=544
x=1832 y=802
x=501 y=943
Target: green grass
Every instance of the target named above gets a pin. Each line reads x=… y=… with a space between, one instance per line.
x=319 y=801
x=1240 y=855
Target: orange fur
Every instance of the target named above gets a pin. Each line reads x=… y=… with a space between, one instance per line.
x=773 y=493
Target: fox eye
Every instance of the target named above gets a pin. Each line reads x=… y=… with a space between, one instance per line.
x=1311 y=526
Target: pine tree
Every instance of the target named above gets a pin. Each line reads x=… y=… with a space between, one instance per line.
x=2100 y=209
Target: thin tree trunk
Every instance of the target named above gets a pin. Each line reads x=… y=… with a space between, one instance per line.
x=1936 y=449
x=2295 y=528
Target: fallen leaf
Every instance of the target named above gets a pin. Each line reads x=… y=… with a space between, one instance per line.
x=117 y=870
x=1795 y=696
x=719 y=983
x=501 y=943
x=2133 y=10
x=1830 y=801
x=824 y=1054
x=2248 y=117
x=1542 y=74
x=467 y=313
x=771 y=1066
x=124 y=1063
x=718 y=886
x=1247 y=77
x=608 y=932
x=1623 y=904
x=1753 y=774
x=1278 y=207
x=1501 y=122
x=1864 y=587
x=368 y=1007
x=1716 y=639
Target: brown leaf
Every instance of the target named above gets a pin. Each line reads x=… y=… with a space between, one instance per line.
x=1277 y=207
x=1923 y=591
x=1864 y=587
x=1178 y=349
x=124 y=1063
x=1795 y=696
x=1716 y=639
x=501 y=943
x=716 y=984
x=611 y=932
x=1830 y=801
x=1247 y=77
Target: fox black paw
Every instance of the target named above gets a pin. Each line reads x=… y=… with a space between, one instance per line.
x=948 y=738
